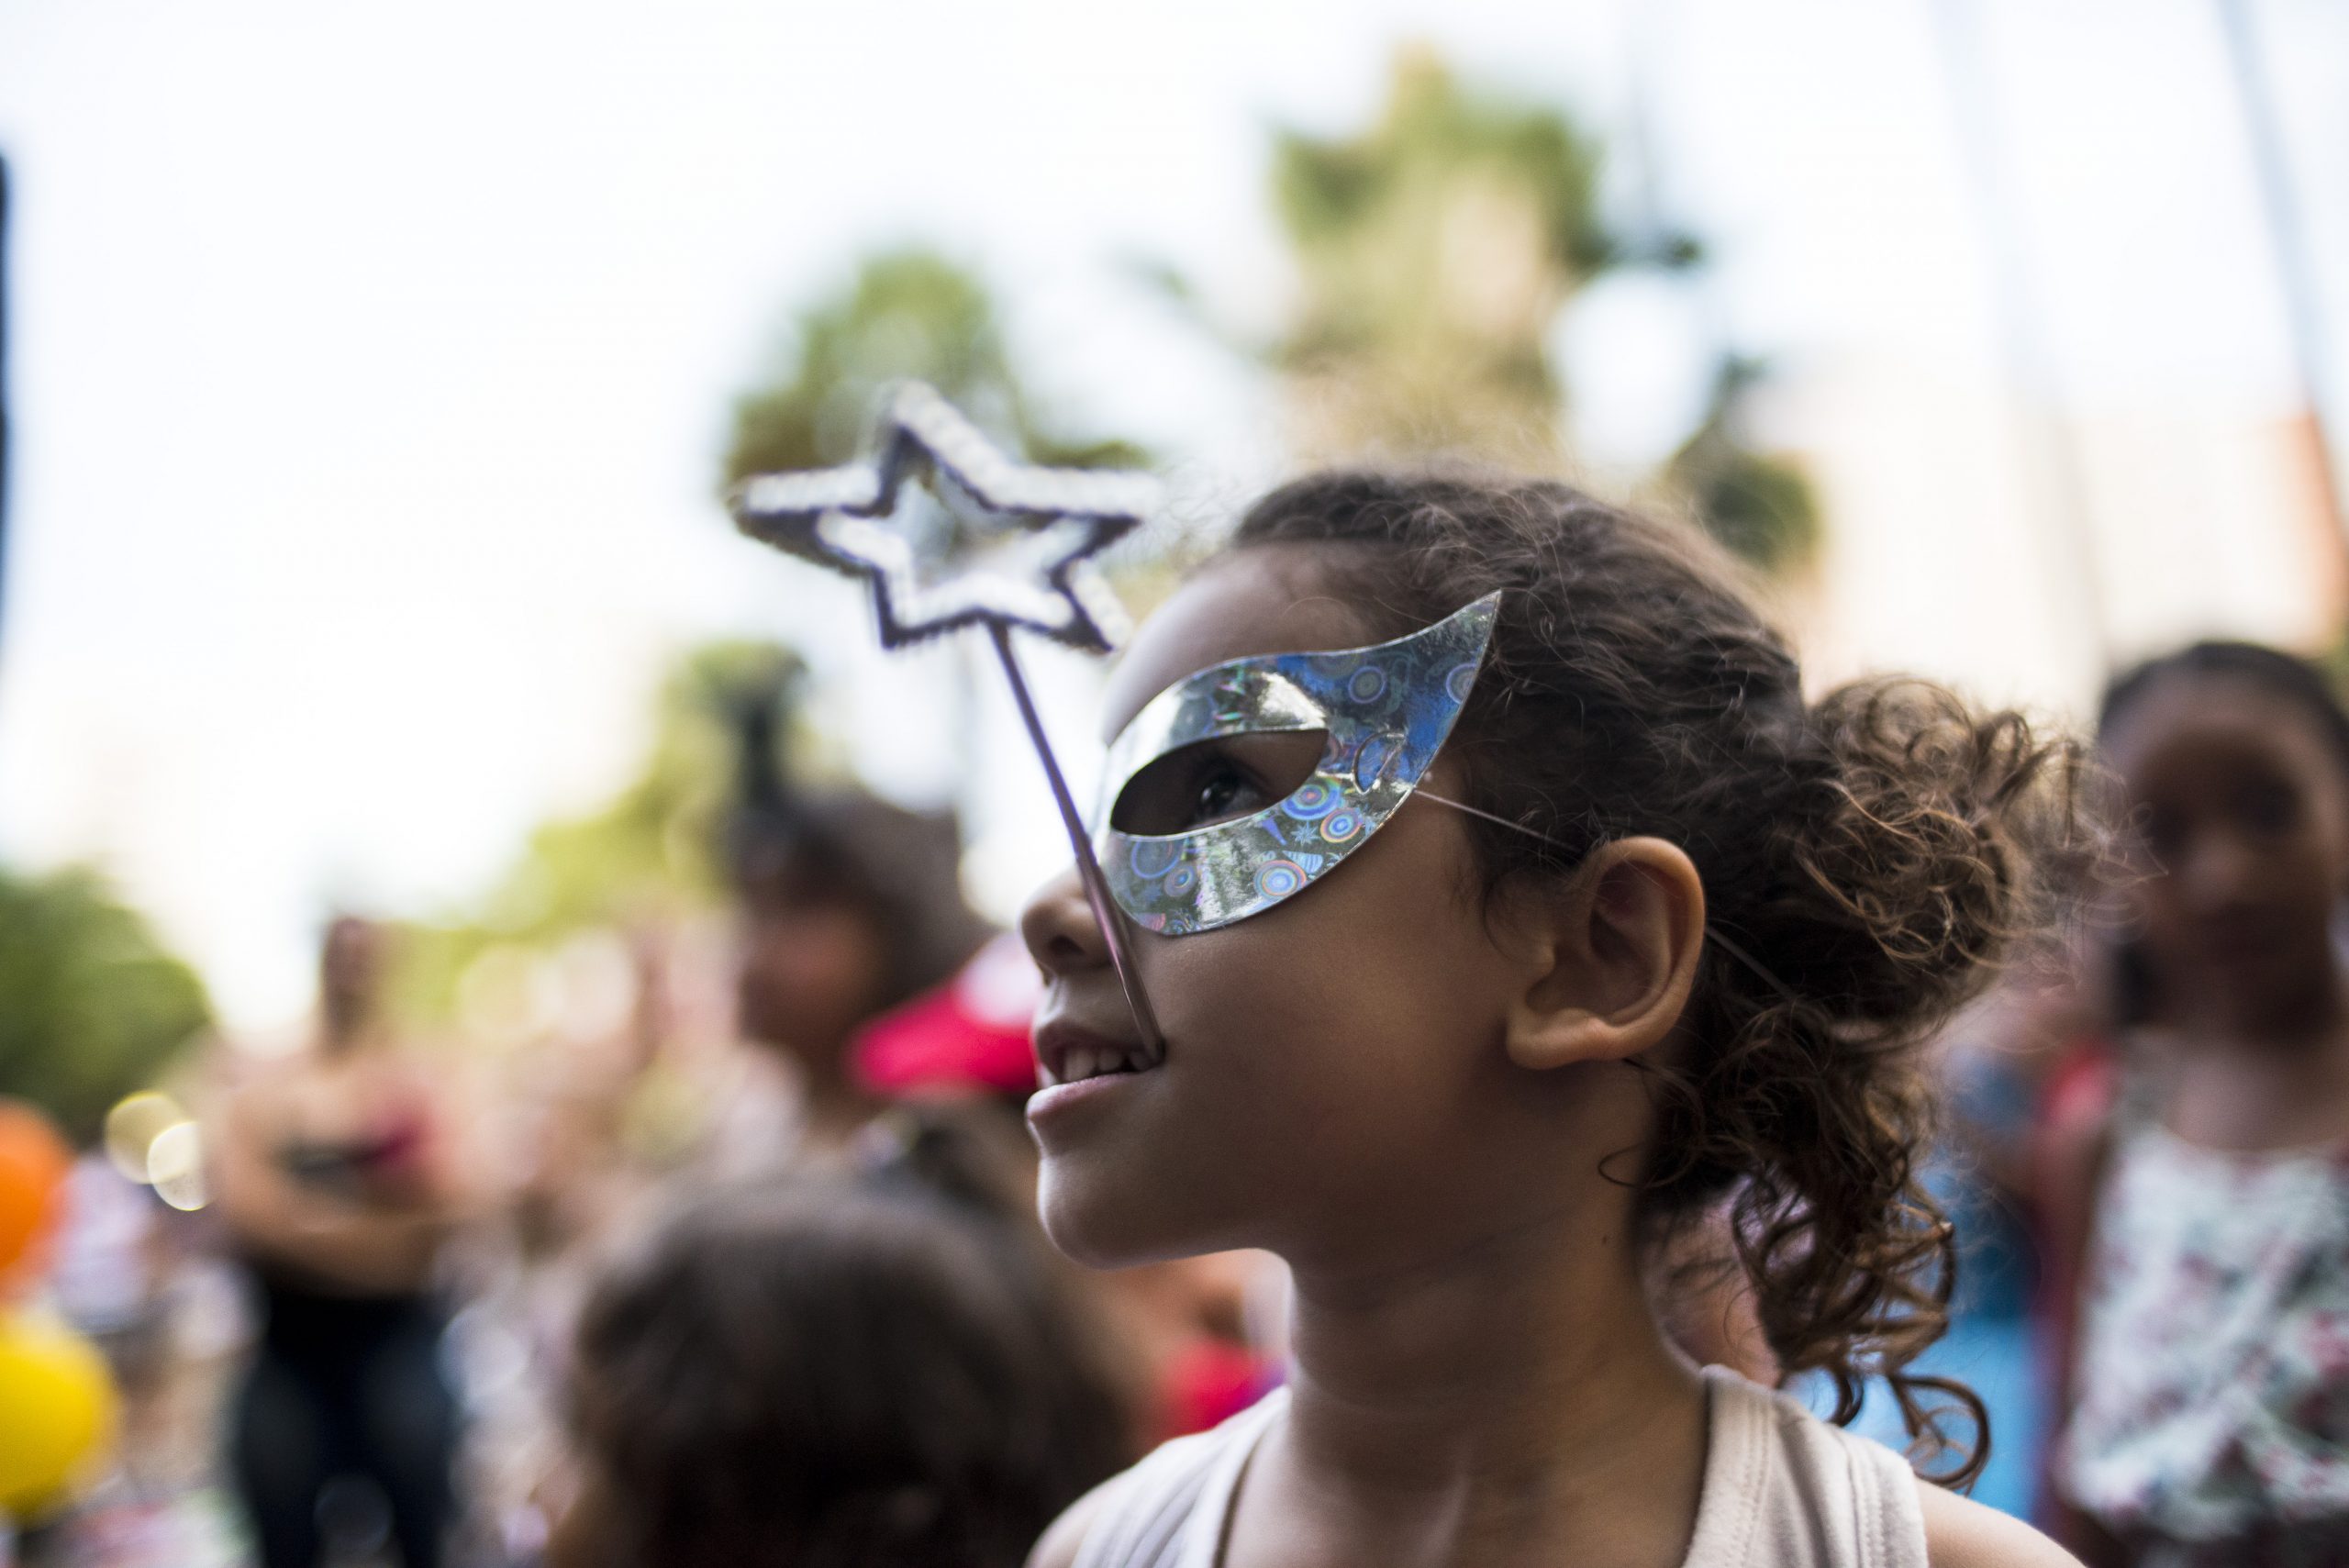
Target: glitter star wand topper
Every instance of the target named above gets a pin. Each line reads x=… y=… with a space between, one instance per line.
x=1005 y=545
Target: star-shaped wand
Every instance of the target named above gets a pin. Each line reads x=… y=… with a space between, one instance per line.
x=1003 y=545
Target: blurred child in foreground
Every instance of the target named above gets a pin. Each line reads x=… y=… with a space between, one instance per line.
x=829 y=1372
x=2203 y=1207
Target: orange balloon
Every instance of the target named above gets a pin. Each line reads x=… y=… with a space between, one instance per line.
x=34 y=1161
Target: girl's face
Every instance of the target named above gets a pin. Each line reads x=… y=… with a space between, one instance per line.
x=1335 y=1085
x=2245 y=815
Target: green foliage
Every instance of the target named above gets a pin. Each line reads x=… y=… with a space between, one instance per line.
x=907 y=313
x=1436 y=249
x=650 y=855
x=1760 y=506
x=92 y=1007
x=1434 y=135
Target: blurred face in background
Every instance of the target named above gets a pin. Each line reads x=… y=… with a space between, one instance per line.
x=2242 y=815
x=814 y=966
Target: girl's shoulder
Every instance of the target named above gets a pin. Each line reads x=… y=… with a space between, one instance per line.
x=1962 y=1534
x=1783 y=1487
x=1058 y=1545
x=1148 y=1516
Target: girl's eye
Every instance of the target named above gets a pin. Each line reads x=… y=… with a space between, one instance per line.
x=1215 y=781
x=1224 y=791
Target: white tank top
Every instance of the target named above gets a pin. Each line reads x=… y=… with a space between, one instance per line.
x=1782 y=1489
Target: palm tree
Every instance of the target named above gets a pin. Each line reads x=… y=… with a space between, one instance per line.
x=1435 y=251
x=907 y=313
x=1760 y=506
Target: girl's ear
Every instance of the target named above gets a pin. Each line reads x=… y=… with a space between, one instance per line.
x=1610 y=962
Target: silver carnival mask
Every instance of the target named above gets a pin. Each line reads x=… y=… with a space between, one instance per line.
x=1386 y=711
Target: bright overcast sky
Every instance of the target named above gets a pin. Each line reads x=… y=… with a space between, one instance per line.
x=371 y=361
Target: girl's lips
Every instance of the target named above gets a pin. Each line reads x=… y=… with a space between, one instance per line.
x=1048 y=1107
x=1077 y=1067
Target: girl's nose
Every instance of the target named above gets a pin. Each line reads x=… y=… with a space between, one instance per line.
x=1060 y=930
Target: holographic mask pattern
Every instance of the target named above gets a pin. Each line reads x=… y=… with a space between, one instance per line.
x=1387 y=710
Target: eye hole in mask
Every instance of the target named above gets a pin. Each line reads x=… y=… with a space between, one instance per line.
x=1241 y=785
x=1217 y=780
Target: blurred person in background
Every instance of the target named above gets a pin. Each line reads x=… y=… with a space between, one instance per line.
x=2198 y=1174
x=849 y=906
x=339 y=1176
x=826 y=1373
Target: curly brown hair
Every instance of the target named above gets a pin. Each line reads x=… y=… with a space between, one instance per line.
x=1867 y=857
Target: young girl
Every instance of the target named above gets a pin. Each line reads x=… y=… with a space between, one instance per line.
x=2210 y=1359
x=1504 y=908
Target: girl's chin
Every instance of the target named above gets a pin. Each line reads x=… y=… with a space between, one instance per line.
x=1095 y=1222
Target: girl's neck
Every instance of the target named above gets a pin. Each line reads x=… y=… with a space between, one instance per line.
x=2287 y=1015
x=1512 y=1400
x=2272 y=1082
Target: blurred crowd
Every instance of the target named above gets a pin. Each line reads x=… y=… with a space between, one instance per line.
x=756 y=1278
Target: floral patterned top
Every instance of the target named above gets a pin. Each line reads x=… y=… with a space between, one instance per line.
x=2212 y=1415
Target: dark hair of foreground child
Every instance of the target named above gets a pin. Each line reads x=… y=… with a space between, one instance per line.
x=827 y=1374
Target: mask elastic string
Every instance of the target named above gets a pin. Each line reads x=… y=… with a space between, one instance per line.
x=1735 y=952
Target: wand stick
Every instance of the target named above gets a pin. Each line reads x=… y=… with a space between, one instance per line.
x=1088 y=869
x=846 y=519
